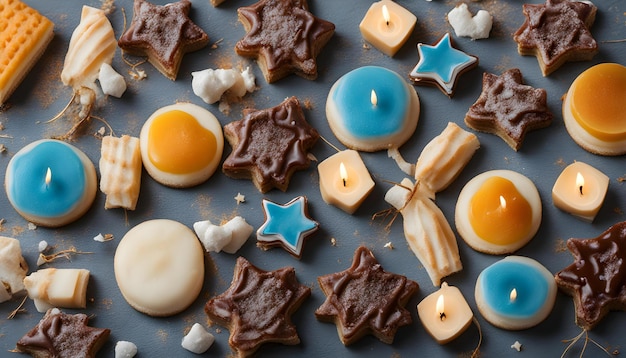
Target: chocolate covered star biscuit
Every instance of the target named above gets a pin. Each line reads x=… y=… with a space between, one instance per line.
x=284 y=37
x=257 y=307
x=63 y=335
x=365 y=299
x=597 y=278
x=146 y=35
x=269 y=145
x=508 y=108
x=557 y=32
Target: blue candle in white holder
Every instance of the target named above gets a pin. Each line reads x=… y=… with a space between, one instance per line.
x=372 y=108
x=50 y=183
x=515 y=293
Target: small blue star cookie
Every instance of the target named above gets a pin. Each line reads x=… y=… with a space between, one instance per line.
x=441 y=65
x=286 y=225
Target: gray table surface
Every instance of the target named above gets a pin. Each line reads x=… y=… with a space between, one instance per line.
x=541 y=158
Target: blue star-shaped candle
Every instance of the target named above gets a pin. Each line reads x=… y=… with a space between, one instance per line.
x=441 y=65
x=286 y=225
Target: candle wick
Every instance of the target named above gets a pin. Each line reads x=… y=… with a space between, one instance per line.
x=442 y=316
x=581 y=189
x=344 y=181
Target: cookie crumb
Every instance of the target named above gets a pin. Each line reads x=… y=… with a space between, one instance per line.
x=240 y=198
x=32 y=226
x=389 y=246
x=333 y=241
x=517 y=346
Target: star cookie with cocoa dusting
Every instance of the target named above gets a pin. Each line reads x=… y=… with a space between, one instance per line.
x=508 y=108
x=284 y=37
x=365 y=299
x=257 y=307
x=164 y=34
x=557 y=32
x=63 y=335
x=269 y=145
x=597 y=278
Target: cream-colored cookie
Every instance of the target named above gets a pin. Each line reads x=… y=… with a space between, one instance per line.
x=498 y=212
x=120 y=171
x=181 y=145
x=159 y=267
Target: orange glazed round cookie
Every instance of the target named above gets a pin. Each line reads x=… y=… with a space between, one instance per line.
x=594 y=109
x=498 y=212
x=181 y=145
x=159 y=267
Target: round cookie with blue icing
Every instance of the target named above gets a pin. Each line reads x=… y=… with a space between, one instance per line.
x=372 y=108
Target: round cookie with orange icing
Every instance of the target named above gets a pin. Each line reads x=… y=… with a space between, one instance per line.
x=181 y=145
x=498 y=212
x=159 y=267
x=594 y=109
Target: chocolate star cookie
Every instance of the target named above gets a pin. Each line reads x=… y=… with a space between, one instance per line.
x=257 y=307
x=365 y=299
x=164 y=34
x=557 y=32
x=508 y=108
x=284 y=37
x=63 y=335
x=269 y=145
x=597 y=278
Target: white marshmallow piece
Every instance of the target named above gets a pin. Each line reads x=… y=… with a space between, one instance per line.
x=477 y=27
x=210 y=85
x=112 y=83
x=125 y=349
x=240 y=230
x=228 y=237
x=198 y=340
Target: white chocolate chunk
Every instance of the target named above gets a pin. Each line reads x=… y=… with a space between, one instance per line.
x=198 y=340
x=464 y=25
x=51 y=287
x=120 y=168
x=92 y=44
x=228 y=237
x=444 y=157
x=42 y=246
x=249 y=79
x=112 y=83
x=125 y=349
x=13 y=268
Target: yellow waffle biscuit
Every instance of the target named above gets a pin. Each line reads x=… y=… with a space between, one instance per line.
x=24 y=35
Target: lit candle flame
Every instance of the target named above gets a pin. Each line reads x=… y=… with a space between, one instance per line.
x=48 y=176
x=513 y=295
x=502 y=202
x=374 y=98
x=386 y=14
x=580 y=182
x=343 y=173
x=439 y=308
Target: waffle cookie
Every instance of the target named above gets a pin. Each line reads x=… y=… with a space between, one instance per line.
x=24 y=35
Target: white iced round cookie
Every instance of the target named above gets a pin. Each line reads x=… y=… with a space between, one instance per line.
x=181 y=145
x=372 y=108
x=159 y=267
x=594 y=109
x=498 y=212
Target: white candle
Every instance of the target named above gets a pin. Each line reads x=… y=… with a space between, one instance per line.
x=387 y=26
x=580 y=190
x=445 y=314
x=344 y=180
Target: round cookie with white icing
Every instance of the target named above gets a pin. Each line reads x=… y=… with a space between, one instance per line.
x=159 y=267
x=594 y=109
x=498 y=212
x=181 y=145
x=372 y=108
